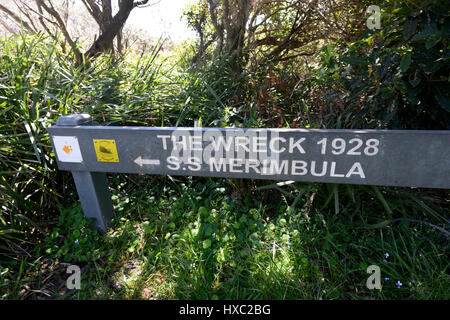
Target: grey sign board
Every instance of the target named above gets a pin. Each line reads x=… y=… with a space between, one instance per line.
x=370 y=157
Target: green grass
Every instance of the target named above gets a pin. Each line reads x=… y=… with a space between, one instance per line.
x=194 y=239
x=191 y=238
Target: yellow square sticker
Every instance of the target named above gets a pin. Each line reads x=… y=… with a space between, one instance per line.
x=106 y=150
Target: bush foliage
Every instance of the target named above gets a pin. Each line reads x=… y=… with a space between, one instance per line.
x=397 y=77
x=228 y=236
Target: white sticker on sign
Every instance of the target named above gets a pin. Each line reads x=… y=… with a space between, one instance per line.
x=67 y=149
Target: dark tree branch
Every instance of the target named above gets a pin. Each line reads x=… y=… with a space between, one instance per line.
x=51 y=11
x=140 y=3
x=93 y=10
x=26 y=14
x=103 y=43
x=14 y=17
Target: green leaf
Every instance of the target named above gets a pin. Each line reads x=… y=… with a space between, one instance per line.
x=206 y=244
x=353 y=60
x=446 y=28
x=442 y=97
x=409 y=28
x=387 y=93
x=414 y=91
x=421 y=36
x=415 y=78
x=208 y=230
x=400 y=85
x=405 y=63
x=203 y=212
x=254 y=237
x=434 y=66
x=432 y=41
x=402 y=11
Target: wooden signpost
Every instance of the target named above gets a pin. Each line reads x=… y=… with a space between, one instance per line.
x=371 y=157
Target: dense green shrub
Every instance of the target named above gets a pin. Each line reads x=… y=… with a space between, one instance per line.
x=397 y=77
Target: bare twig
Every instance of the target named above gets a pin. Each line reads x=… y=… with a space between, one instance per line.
x=17 y=19
x=51 y=10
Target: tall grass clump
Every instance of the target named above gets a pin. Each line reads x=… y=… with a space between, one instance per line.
x=209 y=94
x=38 y=84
